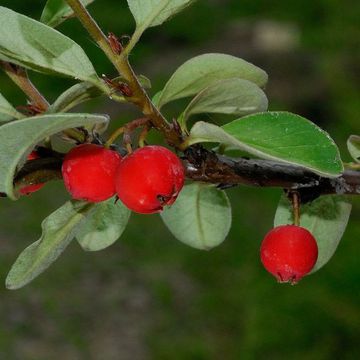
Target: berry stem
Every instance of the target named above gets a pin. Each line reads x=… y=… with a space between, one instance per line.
x=114 y=136
x=143 y=135
x=296 y=207
x=126 y=129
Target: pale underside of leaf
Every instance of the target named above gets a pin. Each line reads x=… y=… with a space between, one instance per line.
x=58 y=230
x=7 y=111
x=154 y=12
x=18 y=138
x=74 y=96
x=57 y=11
x=353 y=145
x=204 y=70
x=104 y=225
x=31 y=44
x=200 y=217
x=230 y=96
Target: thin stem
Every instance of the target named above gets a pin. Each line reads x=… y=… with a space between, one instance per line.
x=127 y=129
x=19 y=76
x=143 y=135
x=352 y=166
x=296 y=207
x=121 y=63
x=114 y=136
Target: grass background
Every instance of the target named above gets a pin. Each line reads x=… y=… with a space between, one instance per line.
x=151 y=297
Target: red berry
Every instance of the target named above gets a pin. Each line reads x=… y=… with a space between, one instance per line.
x=28 y=189
x=289 y=252
x=149 y=178
x=89 y=171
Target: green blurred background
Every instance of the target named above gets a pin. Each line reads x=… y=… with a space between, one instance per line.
x=151 y=297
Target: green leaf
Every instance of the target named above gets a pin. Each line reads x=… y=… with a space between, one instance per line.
x=326 y=218
x=58 y=230
x=353 y=145
x=85 y=91
x=57 y=11
x=144 y=81
x=33 y=45
x=18 y=138
x=156 y=98
x=74 y=96
x=231 y=96
x=199 y=72
x=103 y=226
x=200 y=217
x=7 y=111
x=279 y=136
x=155 y=12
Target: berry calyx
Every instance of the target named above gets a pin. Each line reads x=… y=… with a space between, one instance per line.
x=149 y=179
x=28 y=189
x=89 y=171
x=289 y=252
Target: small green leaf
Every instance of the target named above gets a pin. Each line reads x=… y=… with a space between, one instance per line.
x=278 y=136
x=156 y=98
x=144 y=81
x=104 y=225
x=57 y=11
x=74 y=96
x=152 y=13
x=18 y=138
x=326 y=218
x=58 y=230
x=200 y=72
x=353 y=145
x=33 y=45
x=7 y=111
x=231 y=96
x=200 y=217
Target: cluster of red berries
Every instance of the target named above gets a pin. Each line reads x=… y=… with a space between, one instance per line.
x=289 y=252
x=145 y=180
x=152 y=177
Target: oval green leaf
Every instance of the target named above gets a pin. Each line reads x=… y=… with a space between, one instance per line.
x=58 y=230
x=155 y=12
x=326 y=218
x=104 y=225
x=353 y=145
x=201 y=71
x=74 y=96
x=7 y=111
x=18 y=138
x=231 y=96
x=200 y=217
x=279 y=136
x=33 y=45
x=57 y=11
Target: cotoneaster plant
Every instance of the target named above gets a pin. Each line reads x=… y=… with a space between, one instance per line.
x=107 y=176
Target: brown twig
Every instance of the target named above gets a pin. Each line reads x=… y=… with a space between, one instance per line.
x=19 y=76
x=206 y=166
